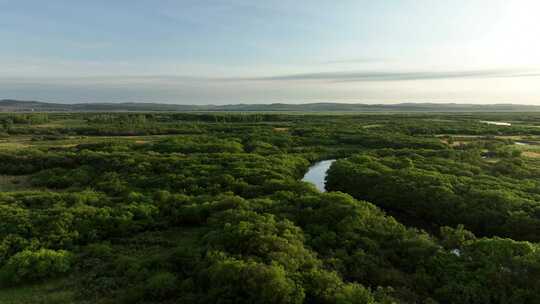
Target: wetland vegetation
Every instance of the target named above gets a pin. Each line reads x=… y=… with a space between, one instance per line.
x=212 y=208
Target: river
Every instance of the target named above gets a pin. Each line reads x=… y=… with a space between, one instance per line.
x=497 y=123
x=316 y=174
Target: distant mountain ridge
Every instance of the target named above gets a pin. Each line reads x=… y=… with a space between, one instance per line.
x=10 y=105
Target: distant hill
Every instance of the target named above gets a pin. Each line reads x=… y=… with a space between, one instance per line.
x=8 y=105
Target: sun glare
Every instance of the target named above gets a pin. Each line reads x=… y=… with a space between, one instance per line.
x=517 y=32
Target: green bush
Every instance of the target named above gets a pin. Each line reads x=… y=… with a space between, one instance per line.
x=235 y=281
x=162 y=285
x=30 y=266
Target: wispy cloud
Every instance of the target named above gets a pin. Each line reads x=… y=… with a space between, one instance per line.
x=396 y=76
x=356 y=60
x=329 y=77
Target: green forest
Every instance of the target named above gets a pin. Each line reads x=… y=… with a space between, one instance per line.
x=169 y=207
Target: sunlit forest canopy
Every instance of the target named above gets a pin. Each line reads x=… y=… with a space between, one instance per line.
x=211 y=208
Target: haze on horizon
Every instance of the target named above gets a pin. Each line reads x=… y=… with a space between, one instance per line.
x=241 y=51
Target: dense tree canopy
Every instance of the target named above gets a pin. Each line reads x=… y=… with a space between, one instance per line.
x=210 y=208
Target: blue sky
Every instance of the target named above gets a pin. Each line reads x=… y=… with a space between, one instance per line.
x=479 y=51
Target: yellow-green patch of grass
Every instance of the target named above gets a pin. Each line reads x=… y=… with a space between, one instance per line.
x=528 y=147
x=12 y=145
x=531 y=154
x=52 y=125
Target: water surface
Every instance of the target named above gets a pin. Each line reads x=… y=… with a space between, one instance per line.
x=316 y=174
x=497 y=123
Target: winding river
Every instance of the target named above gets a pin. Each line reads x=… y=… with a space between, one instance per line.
x=316 y=174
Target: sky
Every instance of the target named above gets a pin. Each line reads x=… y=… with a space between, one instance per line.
x=250 y=51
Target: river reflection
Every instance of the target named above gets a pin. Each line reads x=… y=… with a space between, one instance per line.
x=316 y=174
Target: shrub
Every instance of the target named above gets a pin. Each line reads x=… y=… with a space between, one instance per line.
x=30 y=266
x=162 y=285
